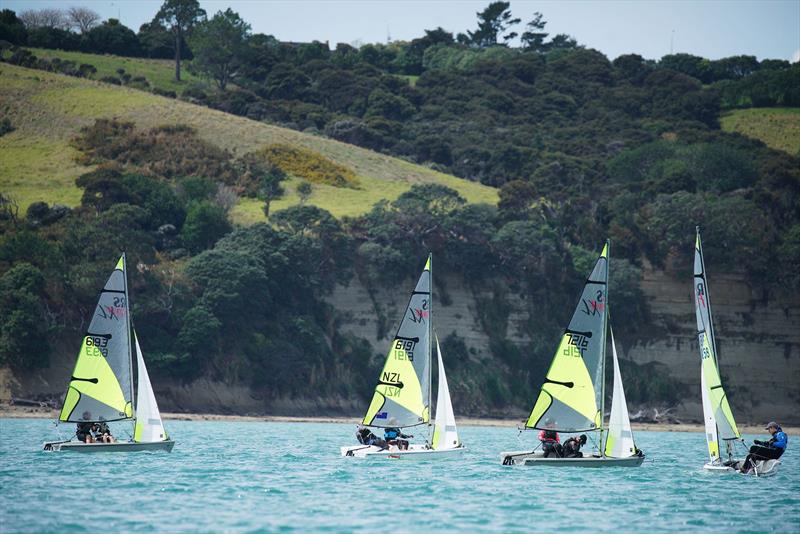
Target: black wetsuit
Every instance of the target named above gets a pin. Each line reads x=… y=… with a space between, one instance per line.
x=572 y=448
x=84 y=429
x=766 y=450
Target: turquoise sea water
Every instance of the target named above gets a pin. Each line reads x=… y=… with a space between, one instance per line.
x=271 y=477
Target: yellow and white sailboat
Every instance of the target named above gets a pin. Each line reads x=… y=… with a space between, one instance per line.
x=402 y=396
x=717 y=413
x=101 y=386
x=571 y=400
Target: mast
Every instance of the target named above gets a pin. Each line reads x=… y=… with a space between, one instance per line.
x=603 y=357
x=430 y=344
x=130 y=333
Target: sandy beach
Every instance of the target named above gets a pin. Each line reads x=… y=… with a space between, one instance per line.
x=23 y=412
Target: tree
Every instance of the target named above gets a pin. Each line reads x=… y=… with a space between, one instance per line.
x=269 y=178
x=23 y=339
x=111 y=37
x=205 y=224
x=44 y=18
x=82 y=19
x=492 y=22
x=304 y=190
x=180 y=16
x=533 y=38
x=218 y=44
x=158 y=42
x=12 y=29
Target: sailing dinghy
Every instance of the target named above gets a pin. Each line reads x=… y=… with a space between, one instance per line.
x=403 y=393
x=571 y=400
x=101 y=388
x=717 y=413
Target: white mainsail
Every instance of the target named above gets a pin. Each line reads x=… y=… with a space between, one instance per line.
x=619 y=442
x=445 y=434
x=148 y=419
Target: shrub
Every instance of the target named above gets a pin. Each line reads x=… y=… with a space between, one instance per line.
x=172 y=151
x=309 y=165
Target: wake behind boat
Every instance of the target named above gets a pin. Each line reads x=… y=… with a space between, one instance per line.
x=101 y=387
x=402 y=396
x=571 y=399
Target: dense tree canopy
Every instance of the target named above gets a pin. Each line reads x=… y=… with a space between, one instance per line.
x=581 y=148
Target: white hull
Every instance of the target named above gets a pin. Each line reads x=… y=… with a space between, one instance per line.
x=413 y=451
x=120 y=446
x=530 y=458
x=763 y=468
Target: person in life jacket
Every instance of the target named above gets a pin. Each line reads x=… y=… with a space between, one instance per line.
x=767 y=450
x=551 y=443
x=394 y=436
x=365 y=436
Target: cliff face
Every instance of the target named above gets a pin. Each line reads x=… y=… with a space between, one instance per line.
x=758 y=339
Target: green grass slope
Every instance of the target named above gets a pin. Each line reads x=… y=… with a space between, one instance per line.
x=47 y=110
x=778 y=128
x=159 y=72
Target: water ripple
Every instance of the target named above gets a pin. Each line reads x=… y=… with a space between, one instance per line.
x=284 y=477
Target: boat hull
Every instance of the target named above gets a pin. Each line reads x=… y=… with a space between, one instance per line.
x=120 y=446
x=414 y=451
x=763 y=468
x=537 y=459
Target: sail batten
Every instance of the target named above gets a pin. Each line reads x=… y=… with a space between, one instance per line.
x=402 y=395
x=101 y=387
x=570 y=399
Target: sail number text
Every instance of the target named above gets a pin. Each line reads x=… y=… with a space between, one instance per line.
x=96 y=346
x=404 y=350
x=576 y=345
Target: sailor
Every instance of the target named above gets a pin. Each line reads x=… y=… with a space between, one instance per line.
x=394 y=436
x=551 y=443
x=102 y=433
x=84 y=430
x=365 y=436
x=767 y=450
x=572 y=447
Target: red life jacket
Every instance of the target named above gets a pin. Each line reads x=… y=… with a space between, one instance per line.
x=549 y=436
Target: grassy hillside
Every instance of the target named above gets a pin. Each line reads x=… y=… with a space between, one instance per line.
x=159 y=72
x=47 y=110
x=778 y=128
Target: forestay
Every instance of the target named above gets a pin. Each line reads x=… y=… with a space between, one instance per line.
x=148 y=426
x=570 y=397
x=402 y=395
x=445 y=434
x=101 y=387
x=619 y=441
x=715 y=403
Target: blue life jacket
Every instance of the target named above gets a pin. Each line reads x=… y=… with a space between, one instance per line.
x=780 y=440
x=391 y=433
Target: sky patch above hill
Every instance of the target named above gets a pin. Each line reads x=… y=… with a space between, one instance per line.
x=764 y=28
